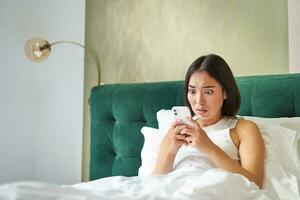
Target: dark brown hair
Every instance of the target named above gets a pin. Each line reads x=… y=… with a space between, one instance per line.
x=218 y=69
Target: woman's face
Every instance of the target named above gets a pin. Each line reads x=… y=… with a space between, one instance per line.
x=206 y=97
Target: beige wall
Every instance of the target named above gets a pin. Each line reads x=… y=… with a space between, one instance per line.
x=156 y=40
x=294 y=35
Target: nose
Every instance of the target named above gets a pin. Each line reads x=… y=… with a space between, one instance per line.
x=200 y=99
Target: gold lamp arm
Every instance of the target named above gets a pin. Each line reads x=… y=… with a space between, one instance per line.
x=38 y=49
x=90 y=52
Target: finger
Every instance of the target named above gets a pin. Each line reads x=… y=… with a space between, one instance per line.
x=177 y=122
x=187 y=131
x=183 y=142
x=190 y=122
x=178 y=128
x=189 y=139
x=189 y=118
x=173 y=124
x=180 y=137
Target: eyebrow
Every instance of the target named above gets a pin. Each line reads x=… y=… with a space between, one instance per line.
x=208 y=86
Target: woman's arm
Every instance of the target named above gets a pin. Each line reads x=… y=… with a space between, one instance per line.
x=168 y=149
x=251 y=150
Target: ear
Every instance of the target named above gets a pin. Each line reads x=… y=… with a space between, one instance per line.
x=224 y=95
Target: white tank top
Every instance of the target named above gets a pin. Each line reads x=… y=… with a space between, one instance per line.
x=219 y=133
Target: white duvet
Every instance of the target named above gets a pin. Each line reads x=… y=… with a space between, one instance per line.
x=186 y=183
x=282 y=178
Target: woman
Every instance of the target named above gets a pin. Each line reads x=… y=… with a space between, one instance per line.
x=213 y=97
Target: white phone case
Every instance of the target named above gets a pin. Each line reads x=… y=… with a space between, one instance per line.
x=181 y=112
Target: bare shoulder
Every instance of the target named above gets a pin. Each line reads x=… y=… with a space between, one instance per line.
x=247 y=128
x=244 y=123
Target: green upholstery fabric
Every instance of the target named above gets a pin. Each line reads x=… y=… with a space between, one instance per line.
x=119 y=111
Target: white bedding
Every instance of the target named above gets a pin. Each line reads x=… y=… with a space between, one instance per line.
x=186 y=183
x=282 y=171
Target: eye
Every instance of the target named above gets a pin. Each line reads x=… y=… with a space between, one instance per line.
x=191 y=91
x=208 y=91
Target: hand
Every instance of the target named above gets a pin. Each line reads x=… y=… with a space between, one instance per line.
x=173 y=140
x=169 y=148
x=196 y=136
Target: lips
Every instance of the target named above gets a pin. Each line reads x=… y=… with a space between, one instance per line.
x=201 y=111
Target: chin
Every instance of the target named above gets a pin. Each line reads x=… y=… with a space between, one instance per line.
x=203 y=116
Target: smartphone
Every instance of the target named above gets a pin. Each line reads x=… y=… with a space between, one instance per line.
x=181 y=112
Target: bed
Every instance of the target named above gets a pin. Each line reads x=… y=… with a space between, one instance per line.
x=120 y=111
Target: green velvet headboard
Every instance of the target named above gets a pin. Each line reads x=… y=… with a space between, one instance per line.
x=119 y=111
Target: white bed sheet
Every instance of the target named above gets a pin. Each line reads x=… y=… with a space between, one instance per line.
x=188 y=182
x=185 y=183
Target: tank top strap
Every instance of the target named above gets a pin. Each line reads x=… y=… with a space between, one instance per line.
x=225 y=123
x=231 y=122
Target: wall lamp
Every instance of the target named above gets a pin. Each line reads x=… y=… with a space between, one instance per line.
x=38 y=50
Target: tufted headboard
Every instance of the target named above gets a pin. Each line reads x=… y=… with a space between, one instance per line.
x=119 y=111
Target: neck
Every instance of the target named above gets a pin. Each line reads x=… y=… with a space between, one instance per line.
x=209 y=122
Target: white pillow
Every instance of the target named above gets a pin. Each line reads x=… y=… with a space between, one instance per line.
x=280 y=145
x=152 y=139
x=288 y=122
x=164 y=119
x=150 y=149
